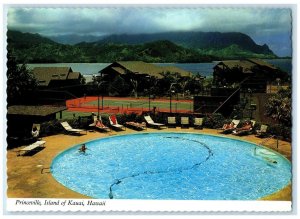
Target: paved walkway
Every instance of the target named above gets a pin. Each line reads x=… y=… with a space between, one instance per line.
x=25 y=179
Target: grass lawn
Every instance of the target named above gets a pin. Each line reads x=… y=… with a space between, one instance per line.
x=69 y=114
x=141 y=104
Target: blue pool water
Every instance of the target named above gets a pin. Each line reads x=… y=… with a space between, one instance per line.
x=178 y=166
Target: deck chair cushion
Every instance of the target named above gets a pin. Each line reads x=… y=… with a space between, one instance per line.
x=113 y=119
x=100 y=124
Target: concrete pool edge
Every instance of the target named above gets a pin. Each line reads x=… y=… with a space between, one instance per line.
x=280 y=194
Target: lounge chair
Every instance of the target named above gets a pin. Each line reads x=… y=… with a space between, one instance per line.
x=150 y=122
x=229 y=128
x=95 y=119
x=184 y=121
x=245 y=130
x=198 y=123
x=100 y=126
x=32 y=147
x=70 y=130
x=172 y=121
x=35 y=132
x=262 y=132
x=114 y=122
x=136 y=125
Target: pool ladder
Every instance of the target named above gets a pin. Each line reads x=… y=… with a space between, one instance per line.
x=263 y=142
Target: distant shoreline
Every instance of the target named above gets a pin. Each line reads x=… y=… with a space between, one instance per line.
x=204 y=68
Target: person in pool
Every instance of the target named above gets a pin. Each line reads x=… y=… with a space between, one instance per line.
x=83 y=148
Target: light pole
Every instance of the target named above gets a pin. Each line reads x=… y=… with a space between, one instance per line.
x=250 y=98
x=146 y=91
x=99 y=85
x=150 y=79
x=278 y=80
x=98 y=101
x=149 y=102
x=171 y=91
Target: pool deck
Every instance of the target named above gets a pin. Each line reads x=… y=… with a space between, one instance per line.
x=25 y=180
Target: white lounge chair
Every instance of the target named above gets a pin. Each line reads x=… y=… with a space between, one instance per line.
x=114 y=122
x=172 y=121
x=35 y=132
x=136 y=125
x=245 y=130
x=231 y=128
x=184 y=121
x=69 y=129
x=94 y=121
x=31 y=147
x=262 y=132
x=152 y=123
x=198 y=123
x=99 y=125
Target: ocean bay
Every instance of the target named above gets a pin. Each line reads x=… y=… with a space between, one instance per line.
x=204 y=69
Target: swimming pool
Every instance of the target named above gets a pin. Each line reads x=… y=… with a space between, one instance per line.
x=172 y=166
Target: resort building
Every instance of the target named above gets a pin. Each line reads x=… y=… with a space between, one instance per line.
x=253 y=74
x=57 y=84
x=20 y=119
x=126 y=76
x=240 y=87
x=49 y=77
x=142 y=69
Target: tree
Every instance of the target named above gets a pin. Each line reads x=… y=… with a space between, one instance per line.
x=279 y=107
x=119 y=87
x=21 y=83
x=134 y=83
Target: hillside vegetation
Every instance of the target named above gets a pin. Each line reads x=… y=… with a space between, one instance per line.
x=33 y=48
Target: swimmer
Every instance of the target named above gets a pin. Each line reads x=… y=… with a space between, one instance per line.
x=83 y=148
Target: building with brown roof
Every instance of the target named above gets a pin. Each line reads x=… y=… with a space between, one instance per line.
x=255 y=73
x=20 y=119
x=49 y=77
x=137 y=76
x=139 y=68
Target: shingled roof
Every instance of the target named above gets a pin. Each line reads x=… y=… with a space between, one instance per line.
x=262 y=63
x=34 y=110
x=139 y=67
x=246 y=66
x=73 y=75
x=45 y=74
x=174 y=69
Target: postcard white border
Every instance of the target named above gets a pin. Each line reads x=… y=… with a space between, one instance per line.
x=27 y=205
x=9 y=204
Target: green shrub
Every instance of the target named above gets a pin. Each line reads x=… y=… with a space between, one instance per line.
x=280 y=131
x=51 y=128
x=214 y=121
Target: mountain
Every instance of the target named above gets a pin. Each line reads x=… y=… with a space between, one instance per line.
x=203 y=41
x=72 y=39
x=26 y=40
x=198 y=40
x=158 y=51
x=34 y=48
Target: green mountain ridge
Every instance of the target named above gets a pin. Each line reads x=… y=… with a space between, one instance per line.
x=194 y=40
x=33 y=48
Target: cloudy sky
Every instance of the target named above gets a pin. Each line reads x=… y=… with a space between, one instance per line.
x=265 y=25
